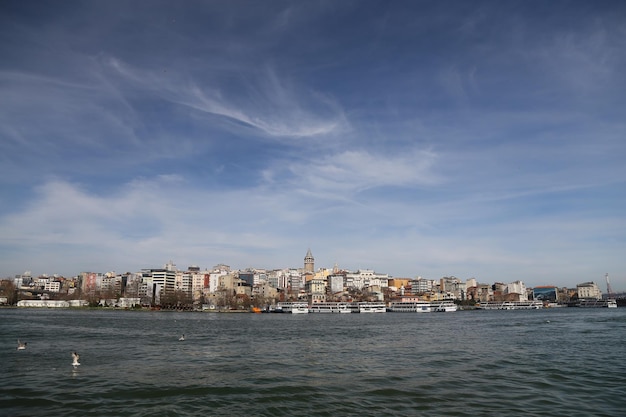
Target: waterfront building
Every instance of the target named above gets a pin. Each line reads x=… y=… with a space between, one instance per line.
x=589 y=290
x=516 y=291
x=545 y=293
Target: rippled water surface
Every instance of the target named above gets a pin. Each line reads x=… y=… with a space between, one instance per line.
x=558 y=362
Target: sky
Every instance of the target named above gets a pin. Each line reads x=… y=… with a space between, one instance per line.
x=482 y=139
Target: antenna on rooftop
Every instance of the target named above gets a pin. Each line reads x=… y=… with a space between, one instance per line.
x=609 y=290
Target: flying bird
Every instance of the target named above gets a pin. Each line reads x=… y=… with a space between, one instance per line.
x=20 y=345
x=75 y=357
x=182 y=338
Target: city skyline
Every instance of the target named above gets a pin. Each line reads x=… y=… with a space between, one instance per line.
x=476 y=139
x=309 y=267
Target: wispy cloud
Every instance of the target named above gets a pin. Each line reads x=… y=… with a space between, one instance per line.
x=263 y=101
x=353 y=171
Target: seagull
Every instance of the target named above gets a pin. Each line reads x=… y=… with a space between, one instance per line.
x=20 y=345
x=182 y=338
x=75 y=357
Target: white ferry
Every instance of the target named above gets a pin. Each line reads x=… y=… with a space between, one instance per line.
x=369 y=307
x=330 y=307
x=293 y=308
x=510 y=305
x=589 y=303
x=443 y=306
x=409 y=307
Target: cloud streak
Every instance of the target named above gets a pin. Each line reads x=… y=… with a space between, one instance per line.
x=267 y=105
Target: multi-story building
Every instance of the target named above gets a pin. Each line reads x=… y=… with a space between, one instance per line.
x=52 y=286
x=184 y=282
x=316 y=290
x=265 y=292
x=589 y=290
x=90 y=282
x=516 y=291
x=335 y=283
x=421 y=286
x=366 y=278
x=162 y=281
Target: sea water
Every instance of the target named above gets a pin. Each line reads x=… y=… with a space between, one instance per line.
x=551 y=362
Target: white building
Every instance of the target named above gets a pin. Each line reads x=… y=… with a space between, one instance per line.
x=589 y=290
x=366 y=278
x=335 y=283
x=52 y=286
x=421 y=285
x=519 y=288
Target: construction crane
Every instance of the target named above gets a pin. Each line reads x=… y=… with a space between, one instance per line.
x=609 y=290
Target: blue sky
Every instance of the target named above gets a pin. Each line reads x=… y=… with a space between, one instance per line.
x=480 y=139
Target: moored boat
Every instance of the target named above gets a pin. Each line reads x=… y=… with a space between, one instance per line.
x=409 y=307
x=330 y=307
x=372 y=307
x=592 y=303
x=293 y=307
x=509 y=305
x=443 y=306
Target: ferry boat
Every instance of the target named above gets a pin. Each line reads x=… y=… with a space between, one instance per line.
x=330 y=307
x=409 y=307
x=369 y=307
x=509 y=305
x=293 y=307
x=610 y=303
x=443 y=306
